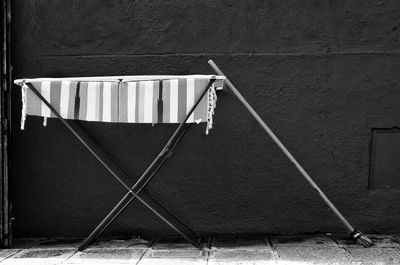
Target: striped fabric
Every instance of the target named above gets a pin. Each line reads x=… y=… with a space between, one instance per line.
x=162 y=101
x=90 y=101
x=130 y=101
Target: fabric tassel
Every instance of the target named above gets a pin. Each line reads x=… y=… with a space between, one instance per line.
x=211 y=104
x=23 y=112
x=44 y=121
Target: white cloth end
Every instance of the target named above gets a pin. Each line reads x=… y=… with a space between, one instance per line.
x=211 y=105
x=23 y=112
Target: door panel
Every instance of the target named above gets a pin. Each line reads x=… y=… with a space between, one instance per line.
x=5 y=99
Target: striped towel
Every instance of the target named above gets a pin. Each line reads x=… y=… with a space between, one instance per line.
x=90 y=101
x=130 y=101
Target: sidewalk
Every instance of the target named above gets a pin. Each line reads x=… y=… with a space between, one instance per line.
x=318 y=249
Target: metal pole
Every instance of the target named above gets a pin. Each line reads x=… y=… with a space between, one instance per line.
x=282 y=147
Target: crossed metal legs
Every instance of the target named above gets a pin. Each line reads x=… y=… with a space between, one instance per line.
x=125 y=201
x=129 y=197
x=134 y=191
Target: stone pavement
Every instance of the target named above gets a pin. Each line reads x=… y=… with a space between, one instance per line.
x=316 y=249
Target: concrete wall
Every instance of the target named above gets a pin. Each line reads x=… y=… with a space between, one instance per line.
x=321 y=73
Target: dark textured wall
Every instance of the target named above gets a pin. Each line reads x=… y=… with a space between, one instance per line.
x=321 y=73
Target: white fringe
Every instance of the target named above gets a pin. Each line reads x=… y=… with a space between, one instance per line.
x=211 y=105
x=44 y=121
x=23 y=112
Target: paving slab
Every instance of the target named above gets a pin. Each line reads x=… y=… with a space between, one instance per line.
x=303 y=240
x=375 y=255
x=48 y=243
x=174 y=251
x=136 y=242
x=40 y=256
x=290 y=250
x=178 y=256
x=107 y=256
x=226 y=241
x=244 y=242
x=383 y=241
x=254 y=242
x=306 y=254
x=241 y=256
x=173 y=243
